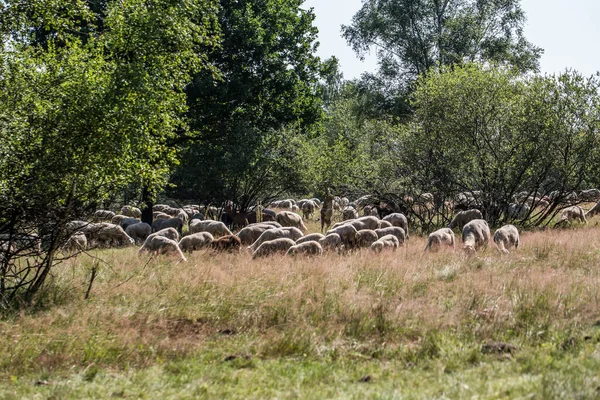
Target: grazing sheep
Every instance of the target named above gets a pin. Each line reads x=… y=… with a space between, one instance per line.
x=398 y=219
x=312 y=237
x=127 y=222
x=215 y=228
x=369 y=222
x=77 y=242
x=519 y=211
x=272 y=234
x=227 y=243
x=370 y=211
x=366 y=237
x=117 y=219
x=444 y=236
x=170 y=233
x=105 y=234
x=161 y=215
x=161 y=245
x=168 y=223
x=130 y=211
x=463 y=217
x=394 y=230
x=249 y=234
x=475 y=234
x=183 y=216
x=103 y=215
x=506 y=237
x=385 y=224
x=308 y=209
x=348 y=234
x=333 y=241
x=385 y=242
x=281 y=245
x=289 y=218
x=310 y=247
x=349 y=213
x=570 y=214
x=195 y=241
x=139 y=232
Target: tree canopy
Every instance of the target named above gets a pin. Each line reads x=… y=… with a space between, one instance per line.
x=269 y=75
x=411 y=37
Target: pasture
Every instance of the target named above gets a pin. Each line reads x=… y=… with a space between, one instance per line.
x=402 y=324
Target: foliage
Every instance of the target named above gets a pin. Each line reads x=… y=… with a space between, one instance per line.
x=269 y=76
x=413 y=37
x=79 y=119
x=480 y=128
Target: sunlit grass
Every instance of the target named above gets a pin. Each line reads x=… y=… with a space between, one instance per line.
x=410 y=323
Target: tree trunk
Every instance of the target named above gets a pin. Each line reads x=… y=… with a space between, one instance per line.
x=149 y=203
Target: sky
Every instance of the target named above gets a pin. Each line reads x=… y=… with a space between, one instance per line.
x=568 y=32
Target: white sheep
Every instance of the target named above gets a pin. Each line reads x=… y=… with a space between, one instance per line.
x=398 y=219
x=131 y=211
x=475 y=234
x=310 y=247
x=170 y=233
x=366 y=237
x=289 y=218
x=385 y=242
x=161 y=245
x=195 y=241
x=506 y=237
x=250 y=233
x=394 y=230
x=77 y=242
x=571 y=214
x=443 y=236
x=463 y=217
x=312 y=237
x=278 y=233
x=215 y=228
x=348 y=234
x=349 y=212
x=270 y=247
x=333 y=241
x=103 y=215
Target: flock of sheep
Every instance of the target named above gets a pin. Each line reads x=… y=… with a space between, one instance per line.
x=283 y=232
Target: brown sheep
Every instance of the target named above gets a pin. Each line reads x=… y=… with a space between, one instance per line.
x=227 y=243
x=444 y=236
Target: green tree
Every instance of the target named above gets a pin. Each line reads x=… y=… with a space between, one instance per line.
x=487 y=129
x=412 y=37
x=79 y=119
x=269 y=80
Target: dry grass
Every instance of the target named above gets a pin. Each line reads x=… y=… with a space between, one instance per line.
x=405 y=305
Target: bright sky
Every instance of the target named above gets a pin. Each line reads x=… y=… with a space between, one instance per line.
x=567 y=31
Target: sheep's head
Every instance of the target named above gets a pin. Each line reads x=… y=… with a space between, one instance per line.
x=377 y=246
x=469 y=249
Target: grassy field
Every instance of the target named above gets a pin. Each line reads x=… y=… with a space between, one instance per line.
x=392 y=325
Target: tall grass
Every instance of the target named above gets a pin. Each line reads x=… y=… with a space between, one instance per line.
x=405 y=306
